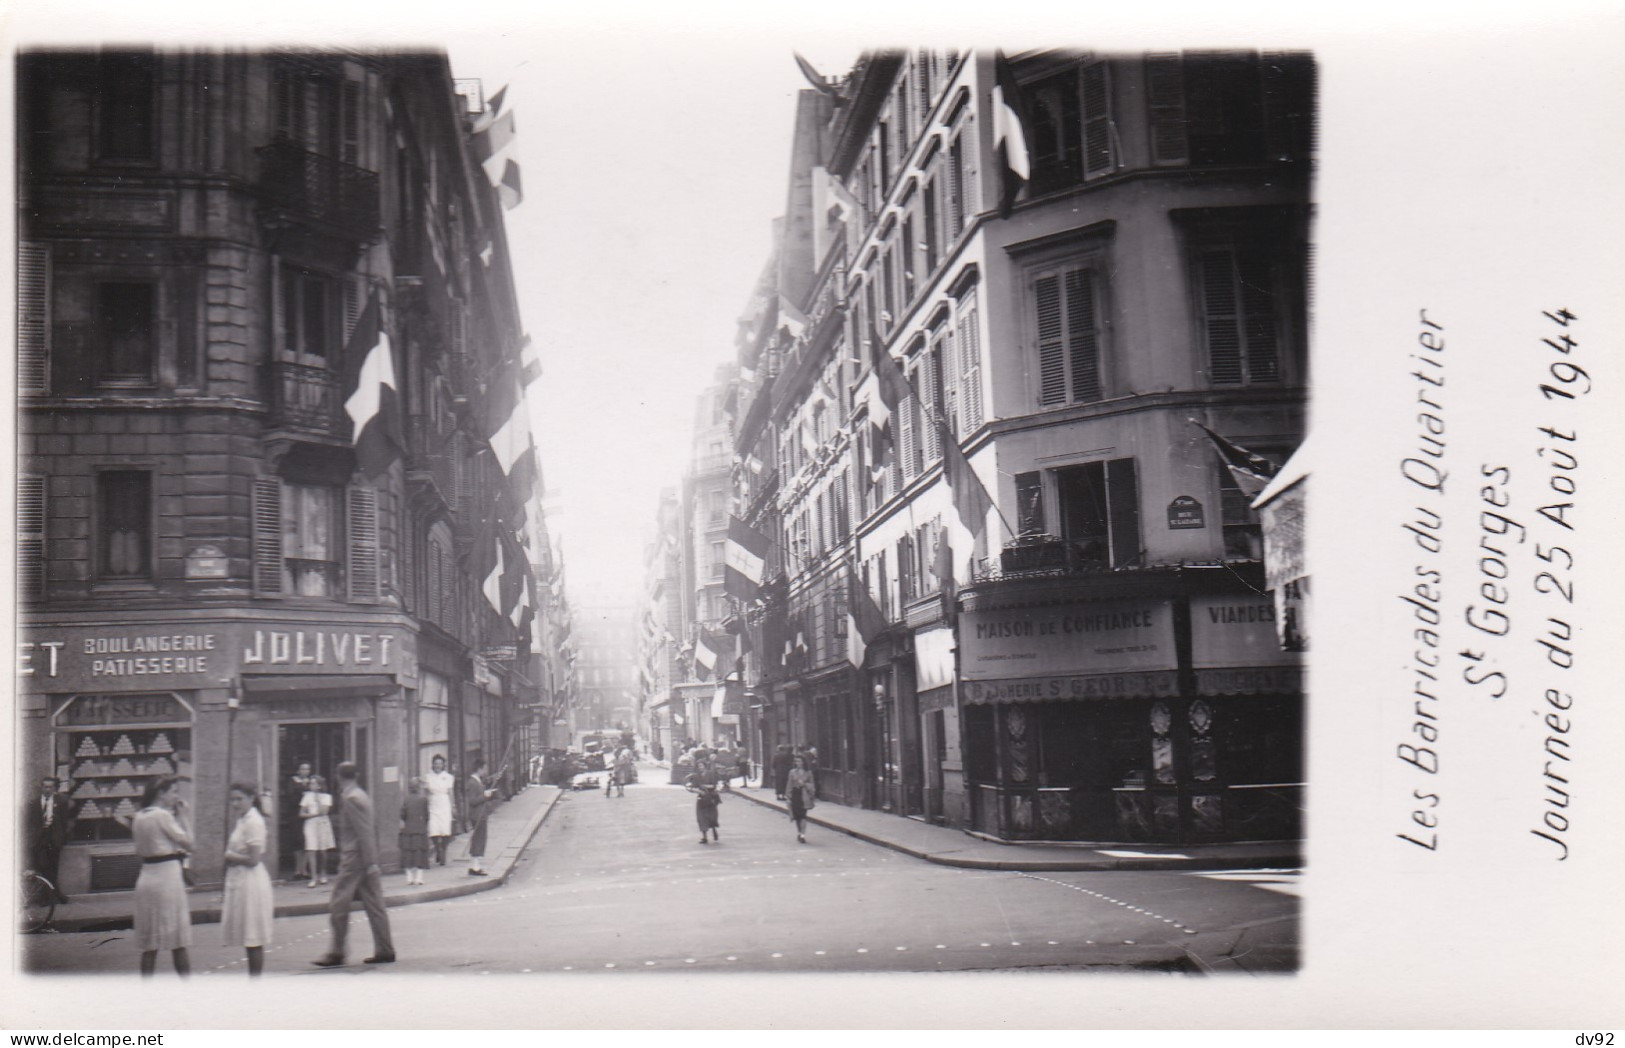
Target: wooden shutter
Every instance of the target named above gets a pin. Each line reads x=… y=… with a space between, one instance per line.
x=30 y=536
x=956 y=190
x=1051 y=357
x=1258 y=306
x=1221 y=316
x=350 y=121
x=1097 y=120
x=33 y=317
x=433 y=580
x=970 y=379
x=362 y=542
x=267 y=542
x=353 y=292
x=910 y=410
x=1165 y=91
x=927 y=375
x=1083 y=346
x=970 y=198
x=1288 y=88
x=1123 y=512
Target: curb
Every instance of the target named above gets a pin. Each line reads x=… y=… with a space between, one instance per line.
x=210 y=913
x=1292 y=857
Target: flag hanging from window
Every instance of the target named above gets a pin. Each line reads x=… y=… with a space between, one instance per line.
x=894 y=388
x=372 y=393
x=744 y=559
x=1009 y=133
x=1251 y=470
x=865 y=621
x=971 y=500
x=705 y=653
x=509 y=187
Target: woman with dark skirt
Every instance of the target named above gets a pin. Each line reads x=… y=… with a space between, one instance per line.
x=801 y=793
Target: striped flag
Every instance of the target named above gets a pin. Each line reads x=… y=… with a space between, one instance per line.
x=864 y=622
x=1009 y=133
x=971 y=500
x=1251 y=470
x=372 y=393
x=744 y=559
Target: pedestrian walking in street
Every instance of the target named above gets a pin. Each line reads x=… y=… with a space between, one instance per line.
x=621 y=773
x=703 y=782
x=781 y=770
x=314 y=809
x=249 y=908
x=46 y=819
x=802 y=795
x=414 y=838
x=358 y=875
x=163 y=919
x=479 y=809
x=744 y=768
x=438 y=786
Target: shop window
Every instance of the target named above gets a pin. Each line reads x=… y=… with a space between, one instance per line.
x=108 y=748
x=1099 y=510
x=127 y=313
x=124 y=514
x=1069 y=326
x=125 y=99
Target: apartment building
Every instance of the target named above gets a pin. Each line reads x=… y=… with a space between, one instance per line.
x=269 y=341
x=1013 y=585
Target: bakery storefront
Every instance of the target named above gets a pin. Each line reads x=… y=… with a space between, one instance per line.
x=1172 y=719
x=108 y=706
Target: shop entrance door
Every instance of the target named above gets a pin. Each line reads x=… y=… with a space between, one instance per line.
x=934 y=751
x=322 y=745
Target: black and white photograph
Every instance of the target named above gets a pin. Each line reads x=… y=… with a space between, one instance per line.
x=509 y=503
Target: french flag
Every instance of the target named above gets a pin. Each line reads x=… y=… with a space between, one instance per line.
x=372 y=393
x=1009 y=133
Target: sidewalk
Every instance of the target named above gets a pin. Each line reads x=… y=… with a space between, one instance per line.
x=508 y=832
x=951 y=847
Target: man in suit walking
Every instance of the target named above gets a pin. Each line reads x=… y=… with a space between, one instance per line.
x=46 y=819
x=358 y=873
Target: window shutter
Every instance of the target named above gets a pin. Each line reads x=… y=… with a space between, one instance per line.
x=910 y=412
x=930 y=437
x=432 y=580
x=956 y=190
x=1219 y=314
x=1083 y=345
x=1097 y=121
x=970 y=382
x=971 y=201
x=267 y=543
x=1123 y=511
x=1165 y=90
x=350 y=120
x=1051 y=362
x=353 y=291
x=33 y=317
x=30 y=536
x=1258 y=310
x=950 y=371
x=363 y=545
x=1288 y=89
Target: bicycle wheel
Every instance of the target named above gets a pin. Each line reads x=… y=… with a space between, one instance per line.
x=39 y=902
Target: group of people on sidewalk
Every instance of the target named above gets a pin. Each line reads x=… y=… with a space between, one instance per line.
x=794 y=781
x=164 y=839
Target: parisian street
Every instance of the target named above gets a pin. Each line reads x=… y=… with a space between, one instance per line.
x=622 y=884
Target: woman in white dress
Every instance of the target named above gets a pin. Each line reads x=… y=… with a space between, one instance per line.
x=313 y=809
x=163 y=917
x=248 y=910
x=438 y=784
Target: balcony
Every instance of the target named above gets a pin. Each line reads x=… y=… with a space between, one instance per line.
x=306 y=400
x=336 y=197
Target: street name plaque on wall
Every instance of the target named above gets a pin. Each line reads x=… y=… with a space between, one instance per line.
x=1185 y=512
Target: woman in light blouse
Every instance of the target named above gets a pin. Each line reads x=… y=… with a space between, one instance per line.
x=163 y=918
x=248 y=910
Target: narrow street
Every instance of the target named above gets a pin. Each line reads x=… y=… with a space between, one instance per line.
x=623 y=884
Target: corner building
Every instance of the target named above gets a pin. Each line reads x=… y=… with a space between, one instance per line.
x=1096 y=659
x=208 y=583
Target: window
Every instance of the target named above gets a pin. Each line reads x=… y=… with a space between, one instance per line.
x=124 y=104
x=124 y=499
x=310 y=317
x=717 y=560
x=969 y=346
x=909 y=283
x=931 y=221
x=319 y=111
x=30 y=536
x=1099 y=509
x=1072 y=129
x=1243 y=536
x=309 y=541
x=1242 y=321
x=1069 y=327
x=128 y=320
x=1030 y=503
x=1215 y=108
x=956 y=188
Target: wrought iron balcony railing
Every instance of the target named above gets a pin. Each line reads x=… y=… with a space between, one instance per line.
x=306 y=399
x=318 y=189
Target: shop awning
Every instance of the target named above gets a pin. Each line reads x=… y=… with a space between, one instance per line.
x=333 y=686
